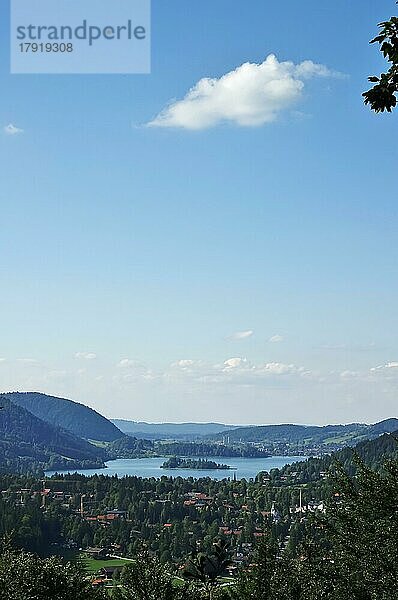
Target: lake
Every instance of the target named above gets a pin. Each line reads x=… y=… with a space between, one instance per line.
x=244 y=468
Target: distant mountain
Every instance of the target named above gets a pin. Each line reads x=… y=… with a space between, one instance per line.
x=308 y=436
x=76 y=418
x=28 y=443
x=186 y=431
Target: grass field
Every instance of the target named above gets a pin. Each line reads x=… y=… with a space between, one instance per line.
x=92 y=565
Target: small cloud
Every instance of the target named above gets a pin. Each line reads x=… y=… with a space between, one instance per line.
x=249 y=96
x=279 y=369
x=86 y=355
x=350 y=374
x=184 y=363
x=390 y=365
x=276 y=339
x=241 y=335
x=234 y=363
x=10 y=129
x=128 y=363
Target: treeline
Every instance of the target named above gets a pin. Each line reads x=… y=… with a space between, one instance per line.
x=208 y=449
x=129 y=447
x=201 y=464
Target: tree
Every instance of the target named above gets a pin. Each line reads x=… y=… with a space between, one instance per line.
x=363 y=531
x=206 y=569
x=257 y=583
x=25 y=576
x=382 y=96
x=148 y=579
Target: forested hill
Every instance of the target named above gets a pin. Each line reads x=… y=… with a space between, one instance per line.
x=175 y=431
x=76 y=418
x=333 y=435
x=374 y=453
x=29 y=443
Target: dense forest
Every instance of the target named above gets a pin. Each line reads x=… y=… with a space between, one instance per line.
x=76 y=418
x=373 y=453
x=209 y=449
x=188 y=463
x=30 y=444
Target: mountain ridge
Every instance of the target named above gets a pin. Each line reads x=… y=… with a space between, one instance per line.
x=179 y=430
x=373 y=453
x=77 y=418
x=347 y=434
x=30 y=443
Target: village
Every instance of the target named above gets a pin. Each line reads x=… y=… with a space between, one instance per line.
x=171 y=522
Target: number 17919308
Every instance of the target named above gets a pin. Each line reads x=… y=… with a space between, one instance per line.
x=45 y=47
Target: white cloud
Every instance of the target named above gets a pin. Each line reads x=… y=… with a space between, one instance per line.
x=193 y=389
x=184 y=363
x=250 y=96
x=350 y=374
x=128 y=363
x=132 y=371
x=234 y=363
x=10 y=129
x=387 y=366
x=276 y=339
x=28 y=361
x=274 y=368
x=86 y=355
x=241 y=335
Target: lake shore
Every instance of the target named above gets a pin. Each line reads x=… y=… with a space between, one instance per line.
x=147 y=468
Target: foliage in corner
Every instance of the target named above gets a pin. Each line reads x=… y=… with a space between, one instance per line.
x=382 y=96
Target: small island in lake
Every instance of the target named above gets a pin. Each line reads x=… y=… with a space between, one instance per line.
x=188 y=463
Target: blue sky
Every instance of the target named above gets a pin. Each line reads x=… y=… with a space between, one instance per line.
x=126 y=249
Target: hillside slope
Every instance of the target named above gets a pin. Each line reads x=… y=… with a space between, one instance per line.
x=27 y=443
x=332 y=435
x=187 y=431
x=373 y=453
x=76 y=418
